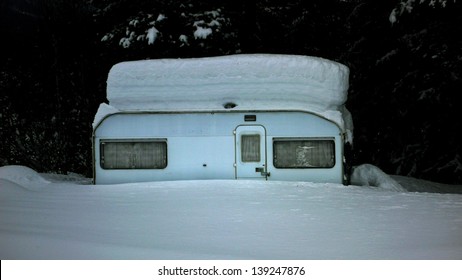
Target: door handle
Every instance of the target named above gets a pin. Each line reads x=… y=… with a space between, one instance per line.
x=262 y=171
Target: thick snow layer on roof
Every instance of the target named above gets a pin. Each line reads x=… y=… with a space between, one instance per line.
x=262 y=81
x=251 y=82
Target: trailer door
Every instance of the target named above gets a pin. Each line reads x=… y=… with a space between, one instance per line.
x=250 y=150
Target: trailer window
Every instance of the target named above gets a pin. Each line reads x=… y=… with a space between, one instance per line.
x=132 y=154
x=250 y=148
x=303 y=153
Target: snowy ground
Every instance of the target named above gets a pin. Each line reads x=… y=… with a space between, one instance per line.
x=44 y=216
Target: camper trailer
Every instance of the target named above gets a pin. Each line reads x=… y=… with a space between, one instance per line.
x=256 y=117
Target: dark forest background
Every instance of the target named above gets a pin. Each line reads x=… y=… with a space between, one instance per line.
x=405 y=59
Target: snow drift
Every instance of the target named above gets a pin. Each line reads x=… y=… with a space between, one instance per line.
x=19 y=173
x=370 y=175
x=221 y=219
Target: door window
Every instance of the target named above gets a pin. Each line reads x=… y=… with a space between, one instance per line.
x=250 y=148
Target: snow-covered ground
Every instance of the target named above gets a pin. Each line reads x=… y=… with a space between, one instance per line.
x=47 y=216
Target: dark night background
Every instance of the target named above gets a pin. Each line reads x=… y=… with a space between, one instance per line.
x=405 y=59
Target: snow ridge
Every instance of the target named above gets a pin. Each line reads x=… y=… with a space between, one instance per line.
x=370 y=175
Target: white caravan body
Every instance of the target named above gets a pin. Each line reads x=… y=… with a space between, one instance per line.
x=188 y=120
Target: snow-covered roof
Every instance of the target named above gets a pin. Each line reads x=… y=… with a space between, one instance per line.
x=250 y=81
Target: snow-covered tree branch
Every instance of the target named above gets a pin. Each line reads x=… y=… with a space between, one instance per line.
x=409 y=5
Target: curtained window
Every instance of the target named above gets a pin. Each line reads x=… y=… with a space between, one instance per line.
x=134 y=154
x=303 y=153
x=250 y=148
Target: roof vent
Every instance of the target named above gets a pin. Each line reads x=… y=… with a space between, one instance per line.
x=229 y=105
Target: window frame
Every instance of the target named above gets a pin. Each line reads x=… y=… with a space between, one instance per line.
x=134 y=141
x=298 y=139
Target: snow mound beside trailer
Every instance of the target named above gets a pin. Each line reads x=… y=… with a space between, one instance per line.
x=235 y=82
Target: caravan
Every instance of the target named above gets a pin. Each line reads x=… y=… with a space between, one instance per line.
x=264 y=117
